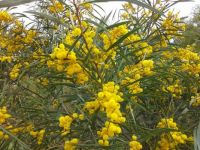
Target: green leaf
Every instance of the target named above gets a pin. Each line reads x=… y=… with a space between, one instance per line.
x=197 y=138
x=139 y=3
x=46 y=16
x=14 y=137
x=11 y=3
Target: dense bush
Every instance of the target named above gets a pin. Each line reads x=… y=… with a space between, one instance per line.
x=74 y=79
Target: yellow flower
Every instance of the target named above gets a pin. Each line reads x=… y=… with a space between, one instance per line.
x=5 y=16
x=15 y=71
x=134 y=144
x=4 y=115
x=76 y=31
x=57 y=7
x=172 y=139
x=71 y=145
x=65 y=122
x=107 y=132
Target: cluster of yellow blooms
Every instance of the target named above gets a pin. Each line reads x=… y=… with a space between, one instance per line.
x=66 y=121
x=175 y=89
x=134 y=144
x=189 y=59
x=71 y=145
x=65 y=60
x=39 y=55
x=144 y=49
x=98 y=56
x=170 y=140
x=57 y=7
x=172 y=24
x=87 y=6
x=133 y=73
x=39 y=135
x=20 y=38
x=109 y=131
x=108 y=101
x=13 y=38
x=128 y=9
x=15 y=71
x=13 y=130
x=44 y=81
x=3 y=136
x=5 y=17
x=4 y=115
x=5 y=59
x=140 y=48
x=195 y=100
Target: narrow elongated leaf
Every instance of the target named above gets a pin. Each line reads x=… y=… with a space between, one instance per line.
x=46 y=16
x=137 y=2
x=11 y=3
x=197 y=138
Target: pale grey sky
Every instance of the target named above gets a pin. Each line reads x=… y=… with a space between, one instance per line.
x=185 y=8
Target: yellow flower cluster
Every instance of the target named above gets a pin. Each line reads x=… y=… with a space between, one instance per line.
x=65 y=122
x=5 y=17
x=65 y=60
x=5 y=59
x=186 y=54
x=30 y=35
x=87 y=6
x=109 y=131
x=78 y=116
x=189 y=59
x=128 y=9
x=195 y=100
x=167 y=123
x=170 y=140
x=88 y=41
x=39 y=135
x=134 y=144
x=11 y=129
x=108 y=101
x=192 y=69
x=15 y=71
x=44 y=81
x=4 y=115
x=15 y=37
x=145 y=49
x=132 y=73
x=175 y=89
x=39 y=55
x=71 y=145
x=3 y=136
x=112 y=35
x=172 y=24
x=57 y=7
x=140 y=48
x=14 y=130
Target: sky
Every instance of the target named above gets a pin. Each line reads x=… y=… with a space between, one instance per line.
x=185 y=8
